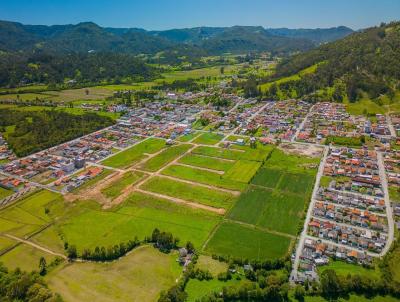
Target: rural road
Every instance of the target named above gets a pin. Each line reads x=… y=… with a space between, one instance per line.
x=36 y=246
x=303 y=235
x=390 y=125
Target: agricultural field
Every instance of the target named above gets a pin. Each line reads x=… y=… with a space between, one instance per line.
x=188 y=137
x=243 y=242
x=5 y=193
x=218 y=152
x=134 y=154
x=165 y=157
x=189 y=192
x=197 y=289
x=138 y=216
x=142 y=274
x=243 y=171
x=208 y=138
x=218 y=164
x=202 y=176
x=115 y=188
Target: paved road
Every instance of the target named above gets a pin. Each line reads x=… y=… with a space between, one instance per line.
x=389 y=211
x=301 y=126
x=303 y=235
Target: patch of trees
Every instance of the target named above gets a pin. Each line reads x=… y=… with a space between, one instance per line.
x=38 y=130
x=164 y=241
x=217 y=101
x=21 y=286
x=364 y=62
x=111 y=252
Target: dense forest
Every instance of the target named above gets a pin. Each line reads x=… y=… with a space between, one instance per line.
x=365 y=62
x=38 y=130
x=85 y=68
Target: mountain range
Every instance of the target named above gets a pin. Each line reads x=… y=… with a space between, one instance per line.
x=88 y=36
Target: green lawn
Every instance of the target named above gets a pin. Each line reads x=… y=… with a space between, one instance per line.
x=242 y=242
x=268 y=178
x=243 y=171
x=201 y=176
x=213 y=266
x=140 y=276
x=394 y=193
x=132 y=155
x=116 y=187
x=138 y=216
x=166 y=156
x=189 y=192
x=209 y=138
x=206 y=162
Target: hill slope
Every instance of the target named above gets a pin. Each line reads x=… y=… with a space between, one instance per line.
x=365 y=62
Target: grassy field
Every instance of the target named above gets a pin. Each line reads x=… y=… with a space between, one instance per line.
x=218 y=152
x=134 y=154
x=28 y=215
x=5 y=193
x=209 y=138
x=204 y=177
x=394 y=193
x=207 y=162
x=197 y=289
x=28 y=258
x=188 y=137
x=140 y=276
x=242 y=242
x=243 y=171
x=213 y=266
x=343 y=268
x=138 y=216
x=165 y=157
x=115 y=188
x=189 y=192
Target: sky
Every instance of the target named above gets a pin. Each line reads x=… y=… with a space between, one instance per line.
x=167 y=14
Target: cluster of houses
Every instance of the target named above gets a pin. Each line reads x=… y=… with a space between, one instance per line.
x=392 y=166
x=5 y=153
x=351 y=200
x=346 y=225
x=358 y=169
x=317 y=252
x=331 y=119
x=395 y=120
x=279 y=120
x=69 y=183
x=363 y=239
x=159 y=116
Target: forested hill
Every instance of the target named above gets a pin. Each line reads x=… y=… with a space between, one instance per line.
x=88 y=36
x=318 y=35
x=364 y=63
